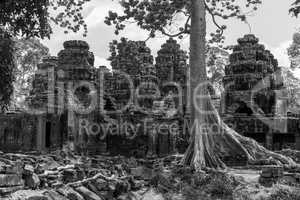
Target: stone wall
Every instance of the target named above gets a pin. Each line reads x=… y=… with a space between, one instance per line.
x=18 y=132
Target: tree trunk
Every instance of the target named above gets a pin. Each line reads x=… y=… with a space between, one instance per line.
x=211 y=139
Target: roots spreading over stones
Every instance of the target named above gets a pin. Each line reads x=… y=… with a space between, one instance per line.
x=212 y=140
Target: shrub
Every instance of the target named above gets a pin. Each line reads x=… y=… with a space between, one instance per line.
x=285 y=194
x=221 y=184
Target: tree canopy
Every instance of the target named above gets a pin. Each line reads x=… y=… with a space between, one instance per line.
x=295 y=8
x=159 y=15
x=28 y=54
x=32 y=18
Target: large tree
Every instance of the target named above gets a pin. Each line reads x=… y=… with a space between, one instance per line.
x=207 y=145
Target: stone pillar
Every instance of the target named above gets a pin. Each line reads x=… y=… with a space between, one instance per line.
x=297 y=139
x=101 y=90
x=188 y=93
x=269 y=140
x=50 y=92
x=61 y=97
x=40 y=136
x=152 y=139
x=172 y=143
x=71 y=121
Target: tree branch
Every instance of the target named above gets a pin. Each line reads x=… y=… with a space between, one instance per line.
x=186 y=30
x=214 y=18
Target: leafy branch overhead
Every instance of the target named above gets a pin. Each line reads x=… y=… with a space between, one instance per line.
x=7 y=65
x=295 y=8
x=158 y=15
x=32 y=18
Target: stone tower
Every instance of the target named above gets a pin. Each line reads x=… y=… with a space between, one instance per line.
x=77 y=94
x=171 y=62
x=171 y=66
x=255 y=99
x=133 y=59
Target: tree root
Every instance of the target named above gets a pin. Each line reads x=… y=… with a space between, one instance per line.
x=212 y=139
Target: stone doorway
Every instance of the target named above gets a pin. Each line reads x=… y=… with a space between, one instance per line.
x=283 y=141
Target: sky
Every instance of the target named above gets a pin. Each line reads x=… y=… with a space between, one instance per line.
x=271 y=23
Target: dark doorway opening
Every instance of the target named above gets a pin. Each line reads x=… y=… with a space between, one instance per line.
x=258 y=137
x=48 y=134
x=244 y=109
x=283 y=141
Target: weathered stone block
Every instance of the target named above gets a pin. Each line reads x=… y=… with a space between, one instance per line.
x=28 y=170
x=8 y=190
x=32 y=181
x=70 y=193
x=87 y=194
x=51 y=194
x=142 y=172
x=7 y=180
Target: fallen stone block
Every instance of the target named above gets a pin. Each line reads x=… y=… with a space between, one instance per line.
x=53 y=195
x=8 y=190
x=69 y=175
x=7 y=180
x=28 y=170
x=32 y=181
x=93 y=188
x=87 y=194
x=101 y=184
x=152 y=195
x=70 y=193
x=29 y=195
x=142 y=173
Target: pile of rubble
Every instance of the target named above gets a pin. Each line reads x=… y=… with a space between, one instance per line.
x=63 y=176
x=294 y=154
x=270 y=175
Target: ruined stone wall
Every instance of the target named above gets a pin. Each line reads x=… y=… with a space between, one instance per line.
x=18 y=132
x=255 y=100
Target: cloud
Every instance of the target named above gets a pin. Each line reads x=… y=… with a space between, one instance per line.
x=101 y=62
x=99 y=10
x=296 y=73
x=280 y=53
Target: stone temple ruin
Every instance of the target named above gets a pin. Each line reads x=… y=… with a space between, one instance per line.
x=138 y=109
x=94 y=110
x=255 y=100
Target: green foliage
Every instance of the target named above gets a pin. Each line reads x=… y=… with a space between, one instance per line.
x=157 y=15
x=31 y=18
x=28 y=54
x=212 y=185
x=7 y=66
x=295 y=8
x=285 y=194
x=294 y=51
x=293 y=88
x=221 y=184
